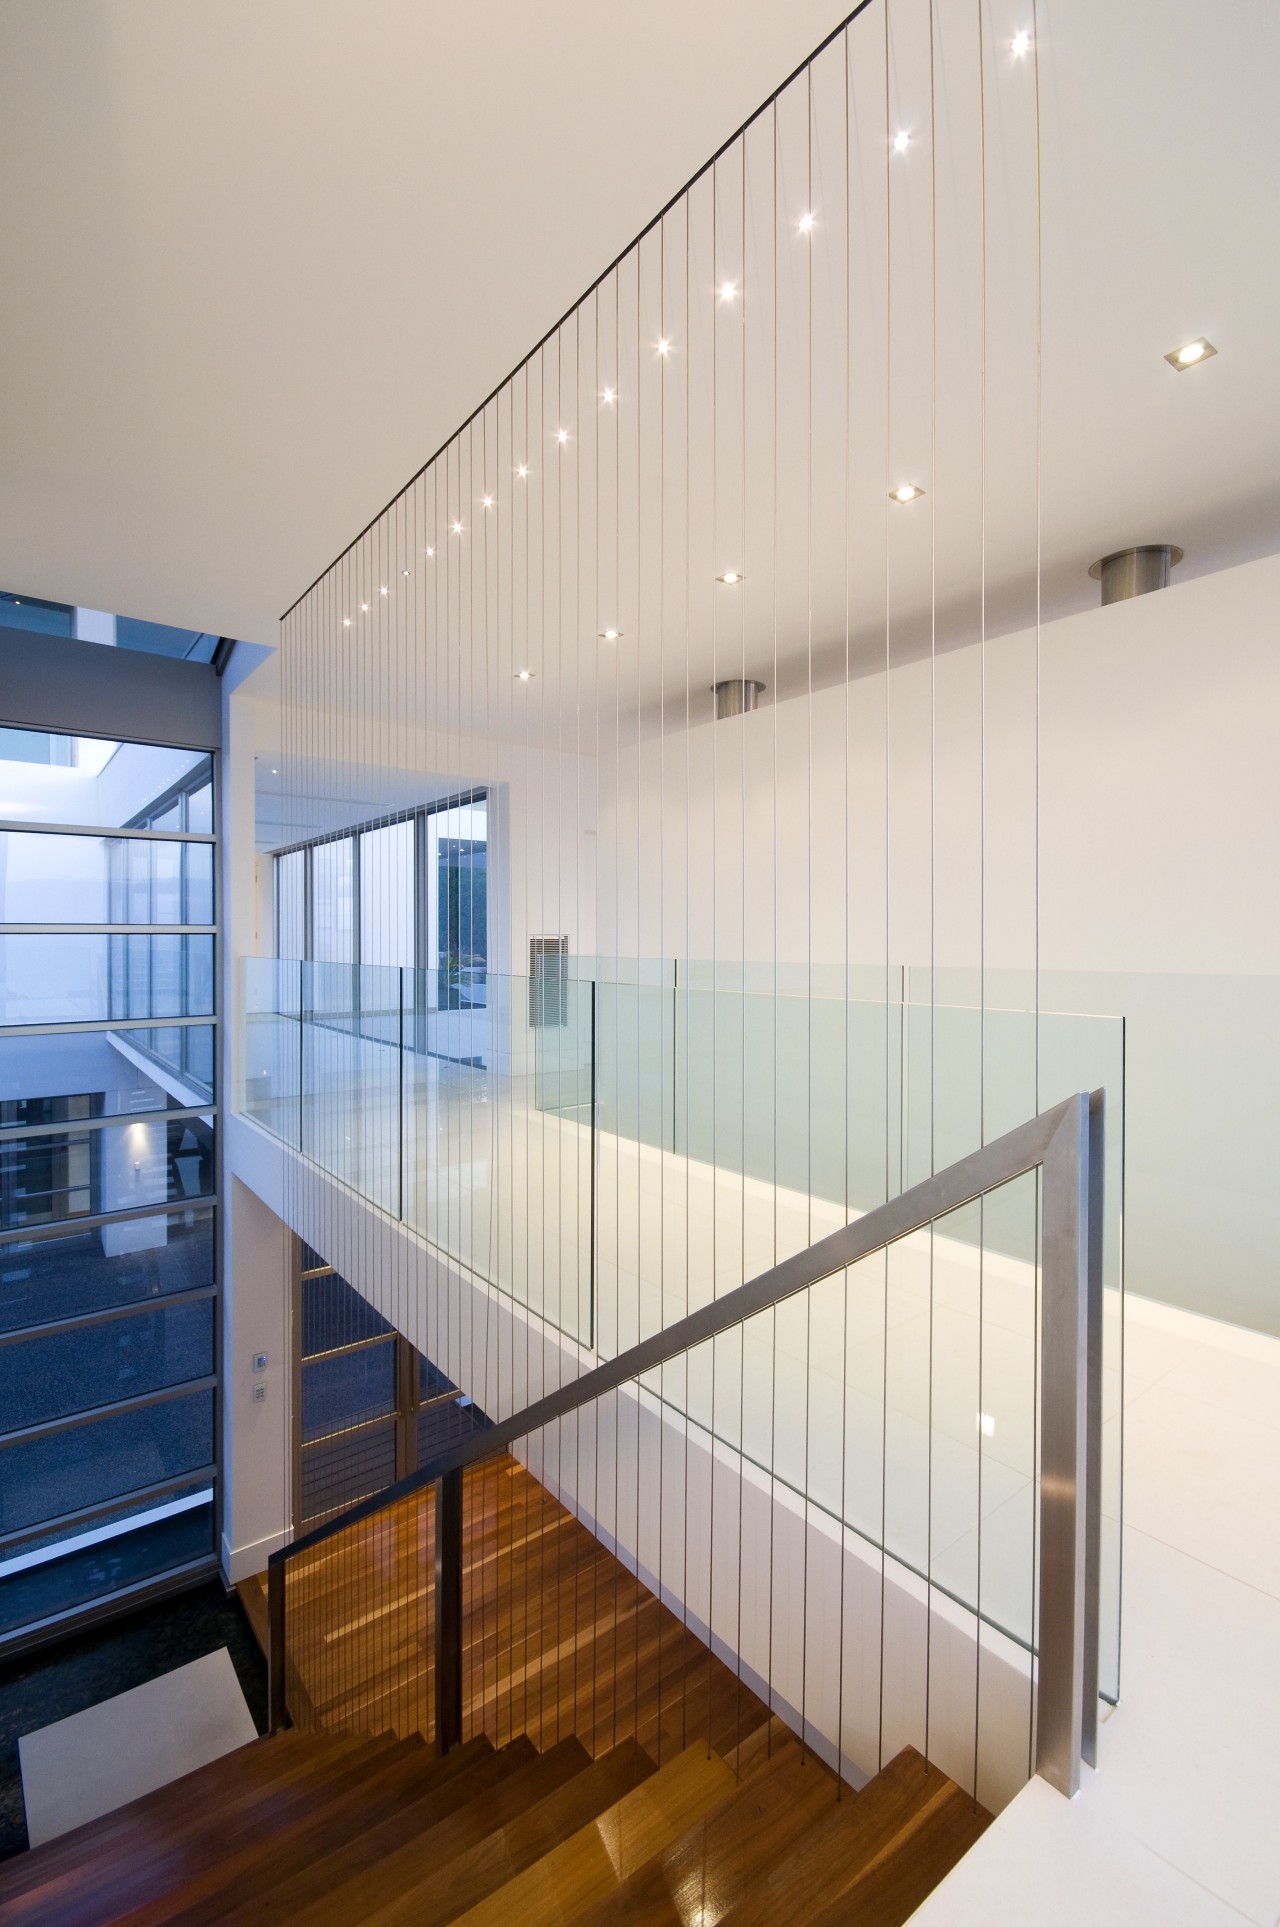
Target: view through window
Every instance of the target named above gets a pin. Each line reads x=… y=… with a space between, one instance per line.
x=107 y=1170
x=411 y=894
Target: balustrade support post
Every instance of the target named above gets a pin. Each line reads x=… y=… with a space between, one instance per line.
x=1070 y=1448
x=277 y=1703
x=448 y=1591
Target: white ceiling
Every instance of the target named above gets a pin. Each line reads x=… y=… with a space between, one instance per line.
x=262 y=256
x=262 y=259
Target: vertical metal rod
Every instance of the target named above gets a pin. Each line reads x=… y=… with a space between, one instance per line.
x=277 y=1708
x=1067 y=1421
x=448 y=1588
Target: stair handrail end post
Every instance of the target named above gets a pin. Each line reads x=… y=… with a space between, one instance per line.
x=448 y=1611
x=1070 y=1446
x=277 y=1699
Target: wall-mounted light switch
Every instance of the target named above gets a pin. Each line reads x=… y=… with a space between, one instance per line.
x=259 y=1361
x=259 y=1394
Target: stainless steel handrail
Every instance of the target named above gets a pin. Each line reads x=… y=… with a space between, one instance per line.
x=1067 y=1144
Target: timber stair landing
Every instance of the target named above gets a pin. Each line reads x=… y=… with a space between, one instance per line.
x=354 y=1831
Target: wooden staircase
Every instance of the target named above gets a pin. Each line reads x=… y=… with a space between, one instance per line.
x=349 y=1831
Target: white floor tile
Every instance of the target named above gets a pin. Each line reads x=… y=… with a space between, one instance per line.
x=114 y=1752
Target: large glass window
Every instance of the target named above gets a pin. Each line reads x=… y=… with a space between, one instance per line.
x=371 y=1407
x=457 y=904
x=291 y=904
x=408 y=894
x=333 y=901
x=387 y=895
x=107 y=1162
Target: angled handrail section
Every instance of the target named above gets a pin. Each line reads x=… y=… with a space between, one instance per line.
x=1066 y=1143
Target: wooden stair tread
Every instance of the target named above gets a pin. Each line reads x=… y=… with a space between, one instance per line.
x=822 y=1872
x=425 y=1872
x=153 y=1852
x=529 y=1832
x=261 y=1763
x=469 y=1770
x=246 y=1773
x=901 y=1879
x=525 y=1776
x=591 y=1865
x=718 y=1861
x=328 y=1818
x=764 y=1739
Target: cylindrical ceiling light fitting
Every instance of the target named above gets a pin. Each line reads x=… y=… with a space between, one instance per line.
x=1131 y=572
x=736 y=697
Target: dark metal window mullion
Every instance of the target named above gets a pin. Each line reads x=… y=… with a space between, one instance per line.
x=354 y=1345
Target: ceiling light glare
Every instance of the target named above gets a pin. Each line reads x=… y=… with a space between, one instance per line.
x=728 y=291
x=486 y=501
x=523 y=471
x=806 y=224
x=430 y=552
x=664 y=346
x=729 y=577
x=1020 y=44
x=524 y=675
x=609 y=396
x=346 y=622
x=384 y=588
x=901 y=142
x=1190 y=354
x=364 y=608
x=610 y=635
x=562 y=435
x=907 y=492
x=457 y=528
x=404 y=572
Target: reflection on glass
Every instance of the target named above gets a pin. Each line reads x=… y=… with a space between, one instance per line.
x=80 y=1271
x=95 y=879
x=80 y=979
x=101 y=1556
x=72 y=1371
x=90 y=780
x=104 y=1458
x=73 y=1173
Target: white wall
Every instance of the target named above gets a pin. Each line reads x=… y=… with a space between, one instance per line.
x=1159 y=828
x=256 y=1317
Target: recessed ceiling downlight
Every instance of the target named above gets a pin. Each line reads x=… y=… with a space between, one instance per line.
x=729 y=578
x=610 y=635
x=906 y=492
x=1191 y=354
x=524 y=675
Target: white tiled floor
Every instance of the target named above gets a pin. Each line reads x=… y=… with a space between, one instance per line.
x=1181 y=1822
